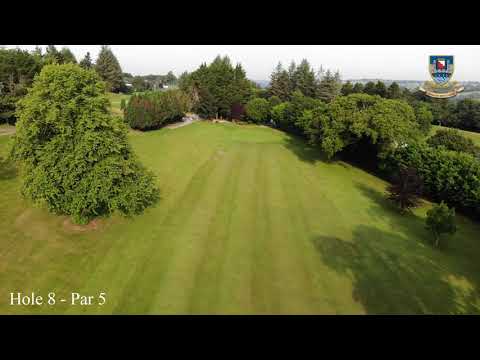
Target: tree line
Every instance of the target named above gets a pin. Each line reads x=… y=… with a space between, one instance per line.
x=19 y=67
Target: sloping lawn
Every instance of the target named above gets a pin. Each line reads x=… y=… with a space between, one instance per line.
x=251 y=221
x=468 y=134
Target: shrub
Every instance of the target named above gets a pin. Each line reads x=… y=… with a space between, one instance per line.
x=74 y=155
x=152 y=110
x=441 y=220
x=453 y=140
x=451 y=176
x=258 y=110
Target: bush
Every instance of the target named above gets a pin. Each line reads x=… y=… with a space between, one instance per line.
x=152 y=110
x=74 y=155
x=258 y=110
x=453 y=140
x=441 y=220
x=451 y=176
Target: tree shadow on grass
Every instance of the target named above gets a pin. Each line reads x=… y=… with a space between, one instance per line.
x=385 y=210
x=7 y=169
x=388 y=278
x=304 y=151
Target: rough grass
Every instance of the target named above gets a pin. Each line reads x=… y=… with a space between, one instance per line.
x=251 y=221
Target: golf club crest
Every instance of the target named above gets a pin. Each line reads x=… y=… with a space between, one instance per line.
x=441 y=68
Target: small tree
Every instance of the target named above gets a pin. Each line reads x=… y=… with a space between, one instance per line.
x=441 y=220
x=405 y=189
x=258 y=110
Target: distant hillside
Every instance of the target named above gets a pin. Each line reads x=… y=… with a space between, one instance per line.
x=413 y=84
x=262 y=83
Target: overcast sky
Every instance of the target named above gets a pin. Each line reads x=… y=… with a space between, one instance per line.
x=397 y=62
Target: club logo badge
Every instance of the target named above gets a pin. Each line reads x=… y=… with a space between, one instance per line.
x=441 y=69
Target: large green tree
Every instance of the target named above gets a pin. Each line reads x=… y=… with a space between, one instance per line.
x=108 y=67
x=74 y=154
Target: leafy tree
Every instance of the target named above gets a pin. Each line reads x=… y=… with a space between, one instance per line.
x=17 y=70
x=170 y=78
x=384 y=123
x=139 y=84
x=453 y=140
x=370 y=88
x=394 y=91
x=75 y=155
x=441 y=220
x=451 y=176
x=381 y=89
x=467 y=115
x=424 y=117
x=258 y=110
x=86 y=62
x=108 y=67
x=406 y=188
x=347 y=89
x=358 y=88
x=274 y=100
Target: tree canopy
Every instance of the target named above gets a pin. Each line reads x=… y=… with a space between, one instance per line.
x=74 y=155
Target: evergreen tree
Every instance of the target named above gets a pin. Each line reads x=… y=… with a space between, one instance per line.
x=67 y=56
x=108 y=67
x=358 y=88
x=304 y=79
x=86 y=62
x=329 y=86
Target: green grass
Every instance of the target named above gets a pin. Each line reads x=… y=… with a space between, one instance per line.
x=250 y=221
x=115 y=101
x=468 y=134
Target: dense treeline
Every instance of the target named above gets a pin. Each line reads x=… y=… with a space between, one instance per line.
x=463 y=114
x=19 y=67
x=217 y=89
x=451 y=176
x=152 y=110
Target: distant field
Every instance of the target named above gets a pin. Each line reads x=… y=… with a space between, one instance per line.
x=251 y=221
x=471 y=135
x=115 y=100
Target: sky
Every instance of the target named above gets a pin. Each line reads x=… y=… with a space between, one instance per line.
x=397 y=62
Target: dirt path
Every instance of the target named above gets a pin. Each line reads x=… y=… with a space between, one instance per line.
x=7 y=130
x=187 y=120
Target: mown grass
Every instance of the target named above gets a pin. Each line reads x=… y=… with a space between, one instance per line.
x=115 y=101
x=251 y=221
